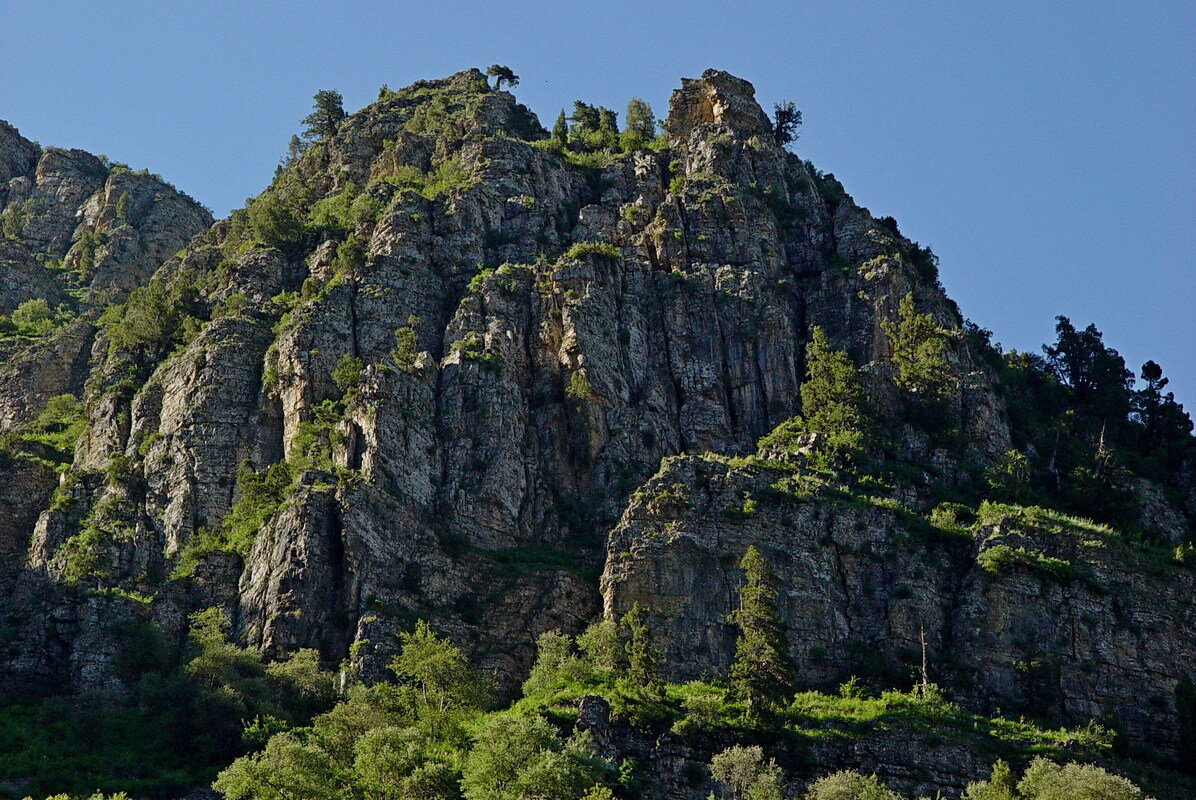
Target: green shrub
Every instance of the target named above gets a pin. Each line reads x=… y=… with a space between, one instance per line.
x=583 y=250
x=449 y=176
x=850 y=785
x=578 y=388
x=1001 y=558
x=58 y=427
x=260 y=494
x=347 y=374
x=275 y=222
x=161 y=312
x=405 y=351
x=34 y=318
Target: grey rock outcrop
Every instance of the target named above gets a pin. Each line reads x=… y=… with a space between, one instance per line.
x=461 y=357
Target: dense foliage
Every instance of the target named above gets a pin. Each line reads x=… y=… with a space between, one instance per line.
x=186 y=718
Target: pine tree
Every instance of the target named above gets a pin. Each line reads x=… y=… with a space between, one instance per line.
x=326 y=117
x=832 y=401
x=643 y=659
x=560 y=130
x=640 y=120
x=833 y=405
x=608 y=121
x=918 y=350
x=786 y=121
x=762 y=675
x=501 y=75
x=1097 y=376
x=586 y=118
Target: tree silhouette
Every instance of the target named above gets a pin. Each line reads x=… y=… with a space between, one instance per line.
x=501 y=75
x=326 y=117
x=786 y=120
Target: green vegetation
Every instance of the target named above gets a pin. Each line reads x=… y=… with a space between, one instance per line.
x=185 y=719
x=762 y=674
x=449 y=176
x=163 y=313
x=347 y=375
x=501 y=75
x=833 y=406
x=850 y=785
x=1082 y=435
x=275 y=221
x=918 y=351
x=1001 y=558
x=326 y=117
x=578 y=389
x=405 y=351
x=51 y=437
x=583 y=250
x=746 y=774
x=1044 y=780
x=260 y=494
x=427 y=736
x=34 y=318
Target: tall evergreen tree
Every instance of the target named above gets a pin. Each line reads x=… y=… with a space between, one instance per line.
x=1097 y=376
x=608 y=121
x=832 y=401
x=560 y=129
x=785 y=122
x=918 y=350
x=326 y=116
x=762 y=675
x=643 y=659
x=586 y=118
x=640 y=120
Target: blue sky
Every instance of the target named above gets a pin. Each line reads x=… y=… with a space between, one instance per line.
x=1044 y=150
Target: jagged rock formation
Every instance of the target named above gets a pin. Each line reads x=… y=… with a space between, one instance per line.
x=424 y=374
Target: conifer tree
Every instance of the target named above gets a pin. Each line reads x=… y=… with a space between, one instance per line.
x=643 y=659
x=918 y=348
x=786 y=121
x=640 y=120
x=762 y=675
x=560 y=130
x=832 y=401
x=501 y=75
x=326 y=116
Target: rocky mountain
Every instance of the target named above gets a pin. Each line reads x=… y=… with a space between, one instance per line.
x=450 y=367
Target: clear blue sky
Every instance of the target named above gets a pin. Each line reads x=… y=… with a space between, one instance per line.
x=1046 y=151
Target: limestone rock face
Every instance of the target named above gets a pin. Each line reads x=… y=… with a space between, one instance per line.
x=861 y=587
x=434 y=371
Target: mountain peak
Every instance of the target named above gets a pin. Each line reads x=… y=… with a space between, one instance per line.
x=717 y=97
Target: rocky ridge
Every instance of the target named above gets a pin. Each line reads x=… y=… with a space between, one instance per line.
x=440 y=371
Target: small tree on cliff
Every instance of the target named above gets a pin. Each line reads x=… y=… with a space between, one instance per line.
x=763 y=674
x=786 y=119
x=832 y=404
x=327 y=115
x=501 y=75
x=643 y=659
x=919 y=352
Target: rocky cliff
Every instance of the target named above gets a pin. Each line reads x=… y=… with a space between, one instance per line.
x=443 y=369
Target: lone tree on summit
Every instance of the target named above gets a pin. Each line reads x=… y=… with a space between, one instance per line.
x=503 y=75
x=326 y=117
